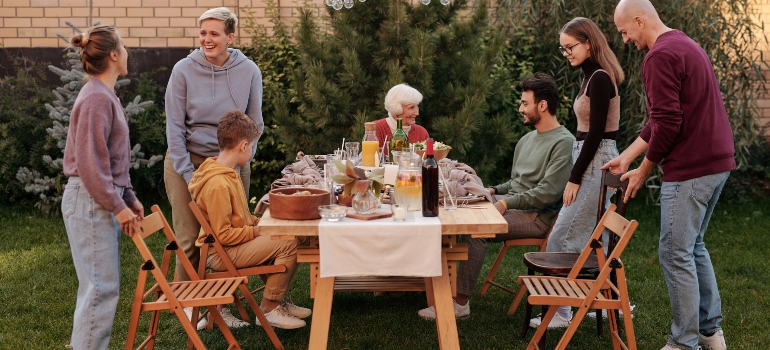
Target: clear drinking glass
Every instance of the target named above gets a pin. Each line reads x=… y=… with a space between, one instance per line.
x=450 y=195
x=351 y=150
x=444 y=171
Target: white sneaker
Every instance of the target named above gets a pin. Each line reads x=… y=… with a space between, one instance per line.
x=232 y=321
x=604 y=313
x=715 y=342
x=280 y=317
x=461 y=311
x=202 y=322
x=296 y=311
x=556 y=322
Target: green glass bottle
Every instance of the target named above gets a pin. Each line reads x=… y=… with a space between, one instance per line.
x=399 y=141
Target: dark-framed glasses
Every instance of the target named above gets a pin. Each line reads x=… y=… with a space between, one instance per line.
x=568 y=49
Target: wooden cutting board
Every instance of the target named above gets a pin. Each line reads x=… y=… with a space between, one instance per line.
x=378 y=214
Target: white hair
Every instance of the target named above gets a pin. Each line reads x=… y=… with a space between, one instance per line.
x=399 y=95
x=223 y=14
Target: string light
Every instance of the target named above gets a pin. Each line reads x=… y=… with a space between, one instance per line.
x=339 y=4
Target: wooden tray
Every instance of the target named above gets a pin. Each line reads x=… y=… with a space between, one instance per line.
x=378 y=214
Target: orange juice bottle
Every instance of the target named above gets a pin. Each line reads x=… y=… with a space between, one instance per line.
x=369 y=145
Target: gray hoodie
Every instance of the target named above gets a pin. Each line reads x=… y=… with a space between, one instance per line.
x=198 y=94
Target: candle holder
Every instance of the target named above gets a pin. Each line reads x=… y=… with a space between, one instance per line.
x=399 y=212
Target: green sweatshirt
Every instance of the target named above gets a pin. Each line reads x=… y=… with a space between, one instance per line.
x=542 y=163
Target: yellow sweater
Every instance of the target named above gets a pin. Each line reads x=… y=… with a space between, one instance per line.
x=218 y=191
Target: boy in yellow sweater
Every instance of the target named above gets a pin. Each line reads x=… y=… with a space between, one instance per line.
x=218 y=190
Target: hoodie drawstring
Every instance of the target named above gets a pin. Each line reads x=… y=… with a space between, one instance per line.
x=227 y=70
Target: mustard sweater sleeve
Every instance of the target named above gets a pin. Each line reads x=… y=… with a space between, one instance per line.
x=219 y=206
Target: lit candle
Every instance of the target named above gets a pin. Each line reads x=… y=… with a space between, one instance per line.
x=399 y=213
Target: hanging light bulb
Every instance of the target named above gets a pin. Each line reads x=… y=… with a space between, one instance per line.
x=349 y=4
x=444 y=2
x=362 y=0
x=329 y=3
x=337 y=4
x=425 y=2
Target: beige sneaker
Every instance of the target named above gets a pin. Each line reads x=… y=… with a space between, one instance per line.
x=232 y=321
x=280 y=317
x=556 y=322
x=715 y=342
x=202 y=322
x=461 y=311
x=296 y=311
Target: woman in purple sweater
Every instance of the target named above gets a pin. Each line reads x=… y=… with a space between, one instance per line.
x=597 y=108
x=98 y=200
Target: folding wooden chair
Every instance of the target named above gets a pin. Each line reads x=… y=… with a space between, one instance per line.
x=549 y=263
x=599 y=293
x=232 y=271
x=518 y=242
x=174 y=296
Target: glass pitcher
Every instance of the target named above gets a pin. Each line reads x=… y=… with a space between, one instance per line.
x=408 y=189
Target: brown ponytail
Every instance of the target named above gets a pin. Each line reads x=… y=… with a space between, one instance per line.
x=95 y=46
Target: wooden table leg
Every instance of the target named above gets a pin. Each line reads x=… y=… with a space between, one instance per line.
x=322 y=311
x=446 y=325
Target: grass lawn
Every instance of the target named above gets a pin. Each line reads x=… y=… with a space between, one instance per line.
x=38 y=288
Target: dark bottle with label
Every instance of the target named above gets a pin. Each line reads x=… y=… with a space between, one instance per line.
x=429 y=182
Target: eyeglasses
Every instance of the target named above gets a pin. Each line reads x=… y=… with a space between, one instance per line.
x=568 y=50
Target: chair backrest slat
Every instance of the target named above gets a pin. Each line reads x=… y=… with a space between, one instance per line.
x=615 y=223
x=151 y=224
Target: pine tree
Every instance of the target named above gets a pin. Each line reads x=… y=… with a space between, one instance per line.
x=345 y=72
x=50 y=187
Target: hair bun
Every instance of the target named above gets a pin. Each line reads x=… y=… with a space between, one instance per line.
x=79 y=40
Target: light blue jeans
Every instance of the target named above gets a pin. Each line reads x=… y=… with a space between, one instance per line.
x=94 y=236
x=577 y=221
x=686 y=208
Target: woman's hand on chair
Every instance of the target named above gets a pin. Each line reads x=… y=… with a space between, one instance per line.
x=138 y=209
x=570 y=193
x=127 y=220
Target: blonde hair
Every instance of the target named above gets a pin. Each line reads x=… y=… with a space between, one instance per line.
x=399 y=95
x=223 y=14
x=94 y=48
x=585 y=30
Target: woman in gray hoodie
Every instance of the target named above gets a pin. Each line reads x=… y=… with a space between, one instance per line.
x=211 y=81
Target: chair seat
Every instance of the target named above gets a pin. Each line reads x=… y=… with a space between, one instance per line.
x=570 y=292
x=197 y=293
x=559 y=263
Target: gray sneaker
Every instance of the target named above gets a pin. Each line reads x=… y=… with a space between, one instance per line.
x=715 y=342
x=461 y=311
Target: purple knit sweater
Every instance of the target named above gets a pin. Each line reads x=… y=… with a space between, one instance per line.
x=98 y=148
x=688 y=131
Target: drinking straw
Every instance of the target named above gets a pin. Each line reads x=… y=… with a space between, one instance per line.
x=382 y=149
x=343 y=144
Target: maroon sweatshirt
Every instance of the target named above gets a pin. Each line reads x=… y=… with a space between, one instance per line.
x=98 y=148
x=688 y=132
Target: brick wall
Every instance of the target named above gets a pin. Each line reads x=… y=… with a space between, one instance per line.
x=764 y=99
x=141 y=23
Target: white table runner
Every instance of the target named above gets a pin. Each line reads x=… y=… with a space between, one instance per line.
x=383 y=247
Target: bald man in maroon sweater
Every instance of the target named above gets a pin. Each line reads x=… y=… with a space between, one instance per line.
x=689 y=134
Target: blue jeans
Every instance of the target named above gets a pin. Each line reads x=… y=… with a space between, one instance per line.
x=576 y=222
x=686 y=208
x=94 y=236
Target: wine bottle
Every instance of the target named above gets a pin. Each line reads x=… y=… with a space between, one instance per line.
x=399 y=141
x=429 y=182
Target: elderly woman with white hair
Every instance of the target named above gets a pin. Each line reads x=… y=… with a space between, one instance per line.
x=401 y=102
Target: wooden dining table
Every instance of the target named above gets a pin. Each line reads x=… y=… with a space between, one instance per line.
x=478 y=223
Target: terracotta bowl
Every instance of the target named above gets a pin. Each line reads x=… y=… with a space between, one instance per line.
x=285 y=205
x=438 y=154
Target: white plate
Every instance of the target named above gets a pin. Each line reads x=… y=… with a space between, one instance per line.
x=469 y=199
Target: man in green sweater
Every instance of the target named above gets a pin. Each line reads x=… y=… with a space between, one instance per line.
x=530 y=201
